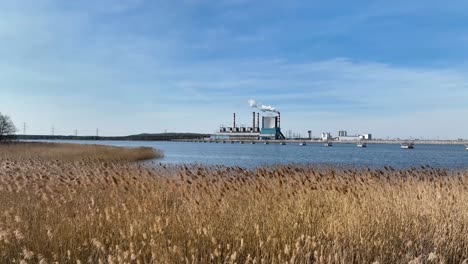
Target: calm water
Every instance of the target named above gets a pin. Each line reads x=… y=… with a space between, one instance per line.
x=247 y=155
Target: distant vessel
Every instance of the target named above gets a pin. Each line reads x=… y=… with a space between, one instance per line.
x=266 y=143
x=253 y=142
x=407 y=145
x=466 y=147
x=328 y=144
x=283 y=143
x=302 y=144
x=362 y=145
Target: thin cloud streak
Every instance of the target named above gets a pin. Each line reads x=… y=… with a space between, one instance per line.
x=148 y=59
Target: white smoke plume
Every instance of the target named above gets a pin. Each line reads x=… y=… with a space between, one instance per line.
x=263 y=108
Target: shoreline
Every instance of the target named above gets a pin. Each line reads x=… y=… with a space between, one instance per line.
x=308 y=141
x=297 y=141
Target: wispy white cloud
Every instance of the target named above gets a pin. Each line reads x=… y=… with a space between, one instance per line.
x=117 y=63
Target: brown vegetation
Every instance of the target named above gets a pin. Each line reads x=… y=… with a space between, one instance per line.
x=69 y=152
x=115 y=212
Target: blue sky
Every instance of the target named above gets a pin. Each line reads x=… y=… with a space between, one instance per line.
x=391 y=68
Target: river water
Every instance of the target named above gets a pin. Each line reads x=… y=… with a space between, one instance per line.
x=251 y=156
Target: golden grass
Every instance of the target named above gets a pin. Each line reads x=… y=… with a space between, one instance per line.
x=68 y=152
x=74 y=211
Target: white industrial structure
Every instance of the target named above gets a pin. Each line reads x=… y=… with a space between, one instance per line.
x=326 y=136
x=355 y=137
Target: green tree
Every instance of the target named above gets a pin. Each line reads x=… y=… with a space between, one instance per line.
x=7 y=128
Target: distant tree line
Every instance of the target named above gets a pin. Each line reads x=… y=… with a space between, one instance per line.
x=8 y=133
x=141 y=137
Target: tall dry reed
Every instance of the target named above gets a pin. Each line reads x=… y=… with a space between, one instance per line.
x=75 y=211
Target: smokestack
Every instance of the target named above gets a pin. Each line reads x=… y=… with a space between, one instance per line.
x=234 y=121
x=279 y=120
x=253 y=121
x=258 y=121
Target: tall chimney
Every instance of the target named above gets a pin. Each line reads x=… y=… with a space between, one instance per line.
x=279 y=120
x=258 y=121
x=253 y=121
x=234 y=121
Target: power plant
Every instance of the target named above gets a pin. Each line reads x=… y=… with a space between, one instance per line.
x=271 y=129
x=271 y=126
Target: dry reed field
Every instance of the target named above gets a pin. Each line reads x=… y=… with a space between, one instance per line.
x=105 y=211
x=68 y=152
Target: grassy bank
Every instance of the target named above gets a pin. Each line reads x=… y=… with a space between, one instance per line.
x=72 y=211
x=76 y=152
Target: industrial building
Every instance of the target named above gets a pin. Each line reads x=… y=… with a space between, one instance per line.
x=326 y=136
x=356 y=137
x=343 y=136
x=271 y=129
x=342 y=133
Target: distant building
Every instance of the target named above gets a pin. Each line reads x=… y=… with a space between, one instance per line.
x=326 y=136
x=342 y=133
x=271 y=128
x=356 y=137
x=236 y=132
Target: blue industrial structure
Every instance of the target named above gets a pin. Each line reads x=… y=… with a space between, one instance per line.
x=271 y=128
